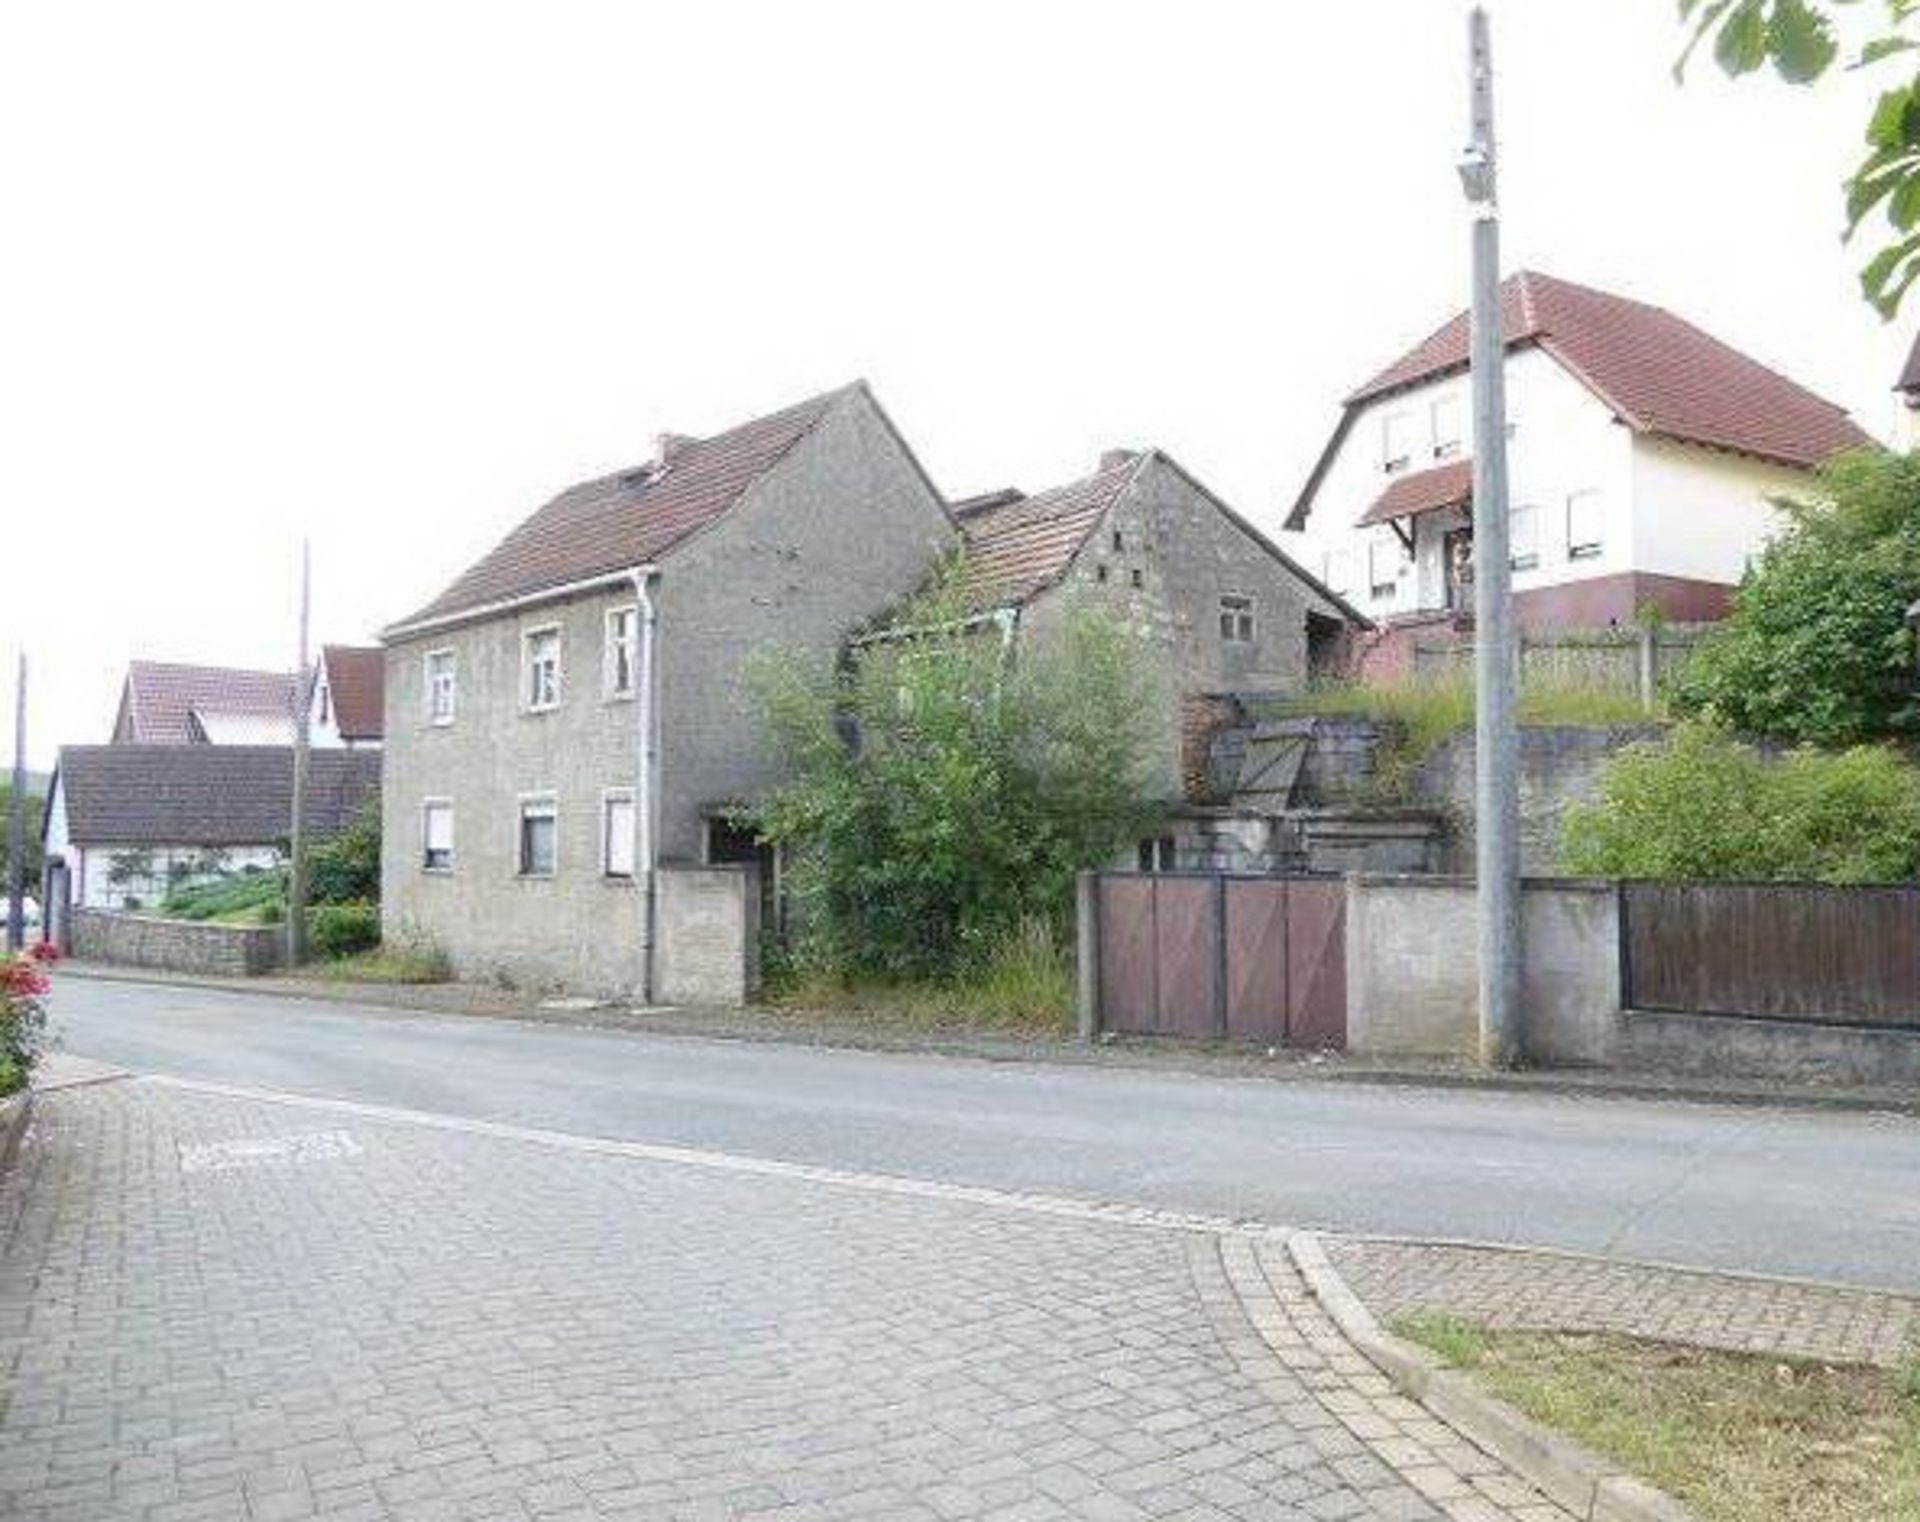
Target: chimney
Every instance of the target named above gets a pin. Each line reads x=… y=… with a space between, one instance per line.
x=1113 y=459
x=667 y=447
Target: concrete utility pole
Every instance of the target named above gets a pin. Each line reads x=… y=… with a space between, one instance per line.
x=17 y=818
x=303 y=704
x=1496 y=739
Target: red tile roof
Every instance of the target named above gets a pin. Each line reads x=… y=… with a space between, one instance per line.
x=1661 y=375
x=1658 y=372
x=1022 y=547
x=161 y=699
x=1425 y=491
x=357 y=680
x=632 y=517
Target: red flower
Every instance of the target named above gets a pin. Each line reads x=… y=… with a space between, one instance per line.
x=22 y=979
x=44 y=951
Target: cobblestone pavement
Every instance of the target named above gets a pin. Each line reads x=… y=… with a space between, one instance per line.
x=1502 y=1287
x=214 y=1306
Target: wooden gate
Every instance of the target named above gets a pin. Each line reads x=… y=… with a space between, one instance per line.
x=1773 y=951
x=1207 y=957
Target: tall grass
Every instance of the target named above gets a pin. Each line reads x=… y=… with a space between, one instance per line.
x=1422 y=714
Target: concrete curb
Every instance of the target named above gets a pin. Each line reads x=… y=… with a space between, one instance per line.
x=1588 y=1486
x=15 y=1111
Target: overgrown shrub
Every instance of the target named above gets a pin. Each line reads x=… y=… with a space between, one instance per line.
x=342 y=930
x=1702 y=805
x=1817 y=648
x=945 y=790
x=346 y=869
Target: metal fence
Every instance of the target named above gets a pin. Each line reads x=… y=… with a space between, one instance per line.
x=1779 y=951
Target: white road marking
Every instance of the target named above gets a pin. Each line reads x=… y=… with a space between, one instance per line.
x=252 y=1151
x=761 y=1167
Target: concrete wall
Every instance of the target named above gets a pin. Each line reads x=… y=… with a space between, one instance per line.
x=709 y=936
x=842 y=527
x=1559 y=766
x=138 y=940
x=1413 y=975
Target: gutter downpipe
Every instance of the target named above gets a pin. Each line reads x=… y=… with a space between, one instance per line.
x=646 y=778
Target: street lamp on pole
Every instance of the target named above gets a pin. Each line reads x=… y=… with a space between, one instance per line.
x=1496 y=739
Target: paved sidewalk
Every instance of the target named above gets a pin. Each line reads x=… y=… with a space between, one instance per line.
x=213 y=1306
x=1511 y=1288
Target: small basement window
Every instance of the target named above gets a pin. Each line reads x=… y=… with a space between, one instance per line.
x=538 y=836
x=1236 y=619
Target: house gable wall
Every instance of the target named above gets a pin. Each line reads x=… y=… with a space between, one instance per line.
x=842 y=527
x=839 y=531
x=1188 y=554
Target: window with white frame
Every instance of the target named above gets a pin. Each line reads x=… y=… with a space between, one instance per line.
x=440 y=688
x=1384 y=559
x=1236 y=619
x=1336 y=570
x=1449 y=418
x=617 y=821
x=436 y=835
x=1523 y=536
x=541 y=669
x=1396 y=441
x=1586 y=525
x=538 y=835
x=623 y=628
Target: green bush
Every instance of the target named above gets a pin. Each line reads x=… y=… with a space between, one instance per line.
x=346 y=869
x=944 y=792
x=1817 y=649
x=343 y=930
x=1700 y=805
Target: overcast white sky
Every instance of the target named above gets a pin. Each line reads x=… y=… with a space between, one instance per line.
x=390 y=272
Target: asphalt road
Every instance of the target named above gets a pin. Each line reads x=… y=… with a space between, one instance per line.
x=1824 y=1195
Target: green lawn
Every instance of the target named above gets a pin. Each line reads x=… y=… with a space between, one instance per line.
x=1736 y=1437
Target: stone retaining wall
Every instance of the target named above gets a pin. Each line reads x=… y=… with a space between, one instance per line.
x=144 y=940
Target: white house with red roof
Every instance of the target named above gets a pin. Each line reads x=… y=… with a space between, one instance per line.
x=1644 y=458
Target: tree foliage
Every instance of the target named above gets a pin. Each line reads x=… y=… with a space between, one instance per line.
x=1803 y=40
x=346 y=869
x=945 y=789
x=36 y=807
x=1700 y=805
x=1817 y=649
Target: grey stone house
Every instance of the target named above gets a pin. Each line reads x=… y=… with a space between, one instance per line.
x=1225 y=609
x=570 y=718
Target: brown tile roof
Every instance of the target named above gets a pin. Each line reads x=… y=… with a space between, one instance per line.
x=1022 y=547
x=206 y=795
x=631 y=517
x=357 y=680
x=162 y=698
x=1658 y=372
x=1425 y=491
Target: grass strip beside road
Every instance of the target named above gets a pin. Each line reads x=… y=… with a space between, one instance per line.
x=1737 y=1437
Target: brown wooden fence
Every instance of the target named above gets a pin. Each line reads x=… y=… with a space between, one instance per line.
x=1780 y=951
x=1209 y=956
